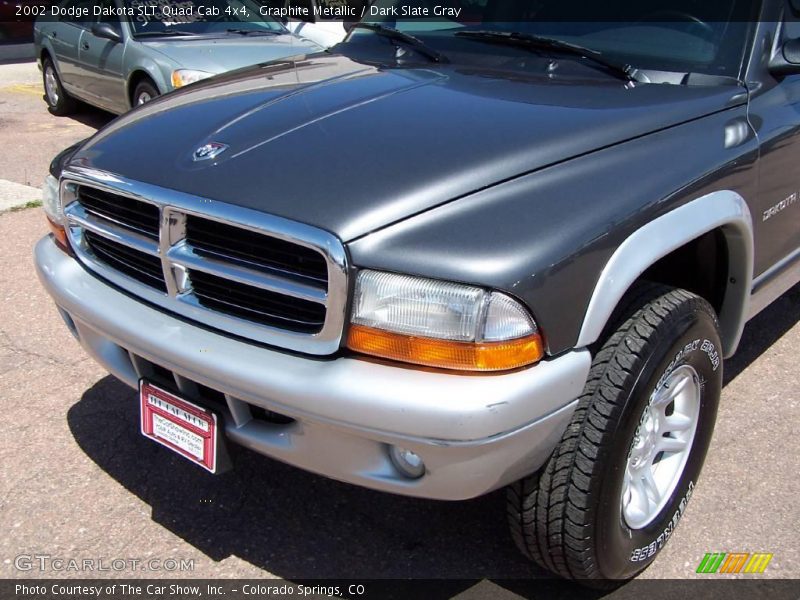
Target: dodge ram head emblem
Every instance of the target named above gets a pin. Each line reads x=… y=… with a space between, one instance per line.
x=209 y=151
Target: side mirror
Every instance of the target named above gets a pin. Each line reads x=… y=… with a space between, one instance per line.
x=106 y=31
x=787 y=60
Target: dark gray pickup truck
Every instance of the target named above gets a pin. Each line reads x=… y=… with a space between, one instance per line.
x=446 y=257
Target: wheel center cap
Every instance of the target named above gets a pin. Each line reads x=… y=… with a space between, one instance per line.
x=646 y=436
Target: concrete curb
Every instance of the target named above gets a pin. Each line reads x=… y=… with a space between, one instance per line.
x=15 y=195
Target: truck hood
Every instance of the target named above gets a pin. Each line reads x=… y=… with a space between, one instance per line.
x=351 y=148
x=218 y=55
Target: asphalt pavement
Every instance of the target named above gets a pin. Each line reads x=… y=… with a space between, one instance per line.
x=79 y=481
x=29 y=135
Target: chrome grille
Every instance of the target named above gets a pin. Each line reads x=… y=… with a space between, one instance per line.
x=255 y=304
x=139 y=265
x=140 y=217
x=241 y=271
x=254 y=250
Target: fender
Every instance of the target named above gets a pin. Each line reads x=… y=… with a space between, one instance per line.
x=46 y=46
x=153 y=72
x=725 y=210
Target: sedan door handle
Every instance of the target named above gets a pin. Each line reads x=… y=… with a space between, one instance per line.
x=53 y=35
x=85 y=46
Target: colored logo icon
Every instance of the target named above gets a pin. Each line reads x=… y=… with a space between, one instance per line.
x=734 y=562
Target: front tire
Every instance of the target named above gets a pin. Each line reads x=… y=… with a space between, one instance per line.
x=144 y=92
x=614 y=489
x=58 y=101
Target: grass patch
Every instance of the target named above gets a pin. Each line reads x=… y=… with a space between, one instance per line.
x=27 y=205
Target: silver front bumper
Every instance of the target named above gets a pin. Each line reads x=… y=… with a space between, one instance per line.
x=475 y=433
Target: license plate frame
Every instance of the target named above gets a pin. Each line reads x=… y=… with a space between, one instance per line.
x=176 y=423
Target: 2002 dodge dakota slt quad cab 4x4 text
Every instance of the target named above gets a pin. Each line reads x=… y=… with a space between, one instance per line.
x=443 y=257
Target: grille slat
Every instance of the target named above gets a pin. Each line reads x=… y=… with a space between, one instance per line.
x=256 y=250
x=242 y=293
x=255 y=304
x=127 y=212
x=139 y=265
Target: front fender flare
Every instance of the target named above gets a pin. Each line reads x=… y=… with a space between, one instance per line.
x=725 y=210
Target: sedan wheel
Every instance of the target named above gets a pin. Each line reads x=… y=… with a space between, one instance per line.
x=145 y=92
x=58 y=101
x=51 y=85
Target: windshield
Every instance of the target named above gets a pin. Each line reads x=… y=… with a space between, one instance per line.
x=661 y=35
x=199 y=17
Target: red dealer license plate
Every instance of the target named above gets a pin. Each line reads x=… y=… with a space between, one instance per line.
x=186 y=428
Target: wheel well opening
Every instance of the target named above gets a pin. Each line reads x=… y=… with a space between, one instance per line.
x=136 y=78
x=45 y=54
x=700 y=267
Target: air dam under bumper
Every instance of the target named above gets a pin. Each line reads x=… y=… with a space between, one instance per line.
x=475 y=433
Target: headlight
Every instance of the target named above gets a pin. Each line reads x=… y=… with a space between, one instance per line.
x=51 y=203
x=183 y=77
x=441 y=324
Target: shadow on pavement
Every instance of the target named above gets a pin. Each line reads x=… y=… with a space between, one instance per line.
x=14 y=61
x=763 y=331
x=300 y=526
x=292 y=523
x=91 y=116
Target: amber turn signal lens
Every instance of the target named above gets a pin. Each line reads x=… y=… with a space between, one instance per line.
x=445 y=354
x=60 y=235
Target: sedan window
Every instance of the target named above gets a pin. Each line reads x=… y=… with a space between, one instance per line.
x=199 y=17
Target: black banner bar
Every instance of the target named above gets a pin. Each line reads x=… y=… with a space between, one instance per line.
x=392 y=11
x=712 y=588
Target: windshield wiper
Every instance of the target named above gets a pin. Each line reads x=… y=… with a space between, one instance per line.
x=165 y=33
x=537 y=42
x=406 y=38
x=252 y=31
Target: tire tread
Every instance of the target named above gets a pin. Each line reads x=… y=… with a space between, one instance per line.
x=550 y=516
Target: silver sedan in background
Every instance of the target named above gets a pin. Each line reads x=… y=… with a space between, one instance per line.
x=117 y=54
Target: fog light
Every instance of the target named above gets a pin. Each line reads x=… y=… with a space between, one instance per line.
x=408 y=463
